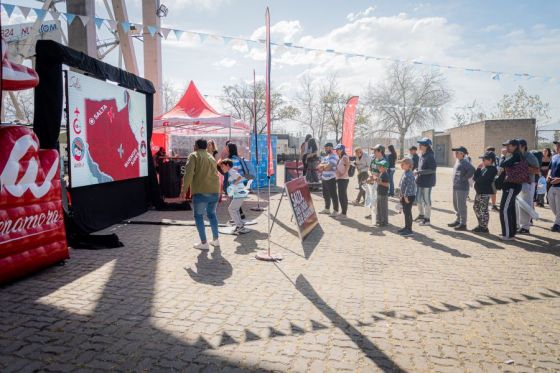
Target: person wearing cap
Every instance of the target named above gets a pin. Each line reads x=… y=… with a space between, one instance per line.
x=383 y=184
x=425 y=180
x=527 y=188
x=484 y=186
x=342 y=178
x=378 y=155
x=414 y=156
x=553 y=179
x=495 y=195
x=362 y=165
x=462 y=172
x=514 y=168
x=328 y=179
x=407 y=191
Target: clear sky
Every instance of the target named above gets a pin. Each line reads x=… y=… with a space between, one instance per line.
x=513 y=36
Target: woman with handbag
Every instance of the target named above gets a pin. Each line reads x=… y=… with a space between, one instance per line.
x=362 y=165
x=514 y=172
x=342 y=178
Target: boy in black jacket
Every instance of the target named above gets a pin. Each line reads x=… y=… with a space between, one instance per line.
x=483 y=184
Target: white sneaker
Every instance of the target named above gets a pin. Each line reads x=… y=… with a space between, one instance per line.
x=325 y=212
x=202 y=246
x=240 y=230
x=334 y=214
x=505 y=238
x=215 y=243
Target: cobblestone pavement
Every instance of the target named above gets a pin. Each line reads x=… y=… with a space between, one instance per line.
x=352 y=298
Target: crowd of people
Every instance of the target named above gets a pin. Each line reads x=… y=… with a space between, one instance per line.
x=534 y=176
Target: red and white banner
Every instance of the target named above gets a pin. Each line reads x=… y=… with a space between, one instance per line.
x=349 y=124
x=16 y=77
x=270 y=168
x=302 y=206
x=32 y=234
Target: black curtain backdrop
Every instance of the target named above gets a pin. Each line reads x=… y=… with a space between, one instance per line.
x=94 y=207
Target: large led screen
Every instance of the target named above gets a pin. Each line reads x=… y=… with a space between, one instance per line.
x=107 y=131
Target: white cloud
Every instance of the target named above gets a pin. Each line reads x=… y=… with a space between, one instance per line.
x=426 y=39
x=354 y=16
x=225 y=62
x=283 y=31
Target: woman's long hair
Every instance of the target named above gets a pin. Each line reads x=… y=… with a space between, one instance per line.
x=232 y=150
x=312 y=145
x=392 y=150
x=547 y=152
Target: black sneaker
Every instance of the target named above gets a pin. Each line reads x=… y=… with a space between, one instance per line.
x=419 y=218
x=461 y=227
x=555 y=228
x=480 y=229
x=523 y=231
x=407 y=233
x=425 y=222
x=401 y=230
x=495 y=208
x=454 y=224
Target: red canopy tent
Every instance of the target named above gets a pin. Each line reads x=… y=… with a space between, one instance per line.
x=193 y=115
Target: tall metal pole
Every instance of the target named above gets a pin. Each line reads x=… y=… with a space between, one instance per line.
x=258 y=208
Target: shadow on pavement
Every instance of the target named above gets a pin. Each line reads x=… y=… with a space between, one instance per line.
x=472 y=237
x=211 y=271
x=377 y=356
x=430 y=242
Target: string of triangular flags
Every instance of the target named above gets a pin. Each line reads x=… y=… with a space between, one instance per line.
x=164 y=32
x=424 y=109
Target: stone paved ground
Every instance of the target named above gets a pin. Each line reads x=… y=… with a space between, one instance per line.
x=352 y=298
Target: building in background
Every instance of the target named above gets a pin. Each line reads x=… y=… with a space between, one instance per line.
x=476 y=137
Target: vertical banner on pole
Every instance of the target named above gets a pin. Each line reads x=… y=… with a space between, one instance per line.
x=349 y=124
x=267 y=256
x=268 y=104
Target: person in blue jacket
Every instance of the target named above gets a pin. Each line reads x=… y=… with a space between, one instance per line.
x=425 y=180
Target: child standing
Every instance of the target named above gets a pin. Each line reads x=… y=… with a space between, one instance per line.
x=382 y=217
x=484 y=187
x=237 y=192
x=407 y=187
x=462 y=172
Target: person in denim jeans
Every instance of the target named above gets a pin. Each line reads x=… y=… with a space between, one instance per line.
x=202 y=178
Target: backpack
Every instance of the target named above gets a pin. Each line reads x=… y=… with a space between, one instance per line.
x=518 y=173
x=351 y=170
x=246 y=170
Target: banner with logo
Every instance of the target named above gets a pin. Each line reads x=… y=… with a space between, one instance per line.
x=107 y=131
x=32 y=234
x=302 y=206
x=349 y=124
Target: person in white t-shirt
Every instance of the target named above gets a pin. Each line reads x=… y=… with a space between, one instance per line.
x=237 y=192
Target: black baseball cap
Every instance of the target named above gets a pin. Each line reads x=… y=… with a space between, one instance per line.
x=514 y=142
x=522 y=142
x=329 y=144
x=461 y=149
x=488 y=155
x=379 y=147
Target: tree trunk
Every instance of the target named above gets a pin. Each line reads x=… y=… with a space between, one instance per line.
x=401 y=144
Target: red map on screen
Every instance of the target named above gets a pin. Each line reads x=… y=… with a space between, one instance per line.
x=111 y=142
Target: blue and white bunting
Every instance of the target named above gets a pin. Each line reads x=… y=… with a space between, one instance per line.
x=69 y=17
x=99 y=22
x=178 y=34
x=41 y=13
x=24 y=11
x=9 y=8
x=152 y=30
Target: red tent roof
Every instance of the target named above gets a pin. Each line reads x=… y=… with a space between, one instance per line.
x=192 y=105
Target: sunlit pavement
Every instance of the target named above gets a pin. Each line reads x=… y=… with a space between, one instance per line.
x=352 y=298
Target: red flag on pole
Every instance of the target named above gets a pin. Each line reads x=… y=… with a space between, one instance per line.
x=348 y=125
x=270 y=168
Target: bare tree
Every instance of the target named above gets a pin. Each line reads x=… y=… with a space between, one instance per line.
x=313 y=113
x=408 y=100
x=26 y=106
x=239 y=102
x=170 y=95
x=521 y=105
x=470 y=114
x=334 y=103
